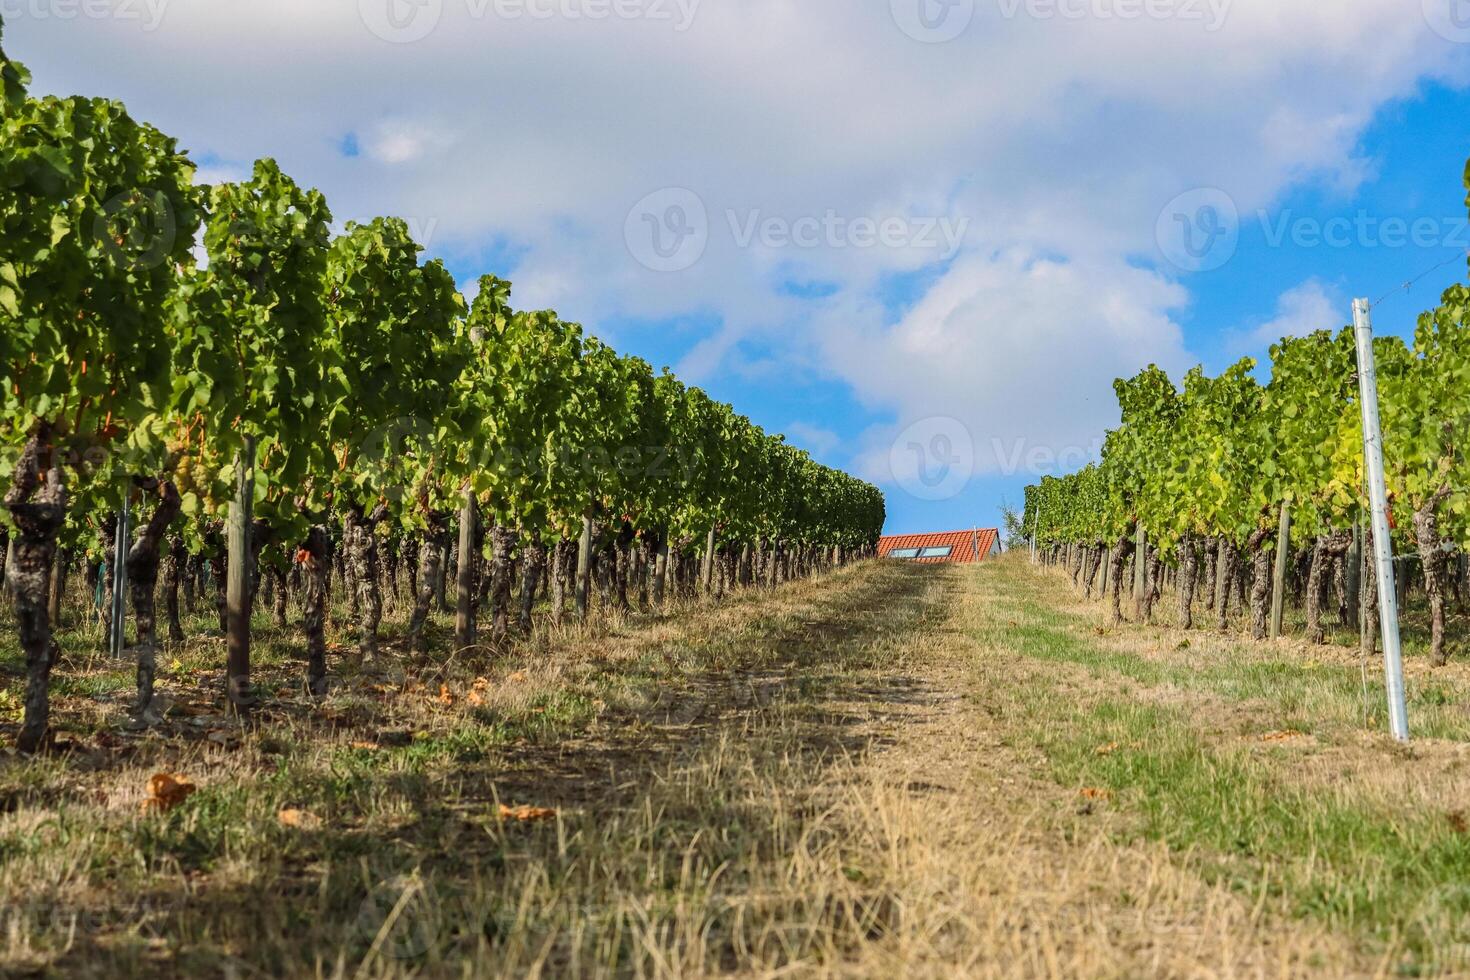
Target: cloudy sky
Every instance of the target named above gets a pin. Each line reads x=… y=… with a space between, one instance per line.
x=920 y=237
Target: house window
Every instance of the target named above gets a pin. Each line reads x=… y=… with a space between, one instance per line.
x=904 y=553
x=936 y=552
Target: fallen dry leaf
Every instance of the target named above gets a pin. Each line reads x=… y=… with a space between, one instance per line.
x=298 y=819
x=166 y=791
x=1108 y=749
x=1093 y=793
x=480 y=684
x=363 y=745
x=474 y=698
x=526 y=814
x=445 y=696
x=517 y=677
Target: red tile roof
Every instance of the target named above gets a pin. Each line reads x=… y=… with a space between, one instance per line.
x=968 y=547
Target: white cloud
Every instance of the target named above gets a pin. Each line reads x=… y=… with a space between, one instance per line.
x=1022 y=350
x=813 y=438
x=1301 y=310
x=399 y=141
x=1059 y=141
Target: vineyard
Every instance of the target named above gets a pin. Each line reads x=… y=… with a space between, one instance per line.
x=1251 y=497
x=357 y=624
x=290 y=415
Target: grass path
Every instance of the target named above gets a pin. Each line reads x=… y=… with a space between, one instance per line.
x=895 y=771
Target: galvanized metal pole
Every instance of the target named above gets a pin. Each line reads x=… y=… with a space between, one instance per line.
x=1393 y=661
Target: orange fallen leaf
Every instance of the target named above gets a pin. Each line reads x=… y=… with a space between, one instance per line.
x=445 y=696
x=1093 y=793
x=372 y=746
x=1108 y=749
x=166 y=791
x=298 y=819
x=481 y=684
x=517 y=677
x=526 y=814
x=474 y=698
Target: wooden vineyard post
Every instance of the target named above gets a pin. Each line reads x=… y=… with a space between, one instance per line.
x=237 y=580
x=58 y=586
x=707 y=570
x=584 y=568
x=1140 y=570
x=1278 y=585
x=660 y=569
x=464 y=605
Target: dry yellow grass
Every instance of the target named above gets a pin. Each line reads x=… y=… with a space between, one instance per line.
x=843 y=778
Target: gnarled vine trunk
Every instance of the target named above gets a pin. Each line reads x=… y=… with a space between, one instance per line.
x=1225 y=558
x=1368 y=641
x=435 y=544
x=564 y=562
x=142 y=567
x=1121 y=551
x=532 y=564
x=37 y=504
x=316 y=557
x=1260 y=581
x=1328 y=548
x=1433 y=558
x=277 y=579
x=173 y=576
x=502 y=550
x=1152 y=571
x=1188 y=577
x=360 y=545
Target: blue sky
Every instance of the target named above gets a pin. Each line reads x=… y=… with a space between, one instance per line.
x=921 y=246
